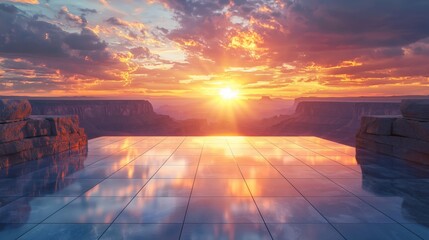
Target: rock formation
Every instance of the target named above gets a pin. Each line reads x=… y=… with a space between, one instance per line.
x=336 y=121
x=404 y=136
x=111 y=117
x=24 y=137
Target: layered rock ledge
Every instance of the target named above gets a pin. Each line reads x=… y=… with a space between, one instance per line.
x=25 y=137
x=404 y=136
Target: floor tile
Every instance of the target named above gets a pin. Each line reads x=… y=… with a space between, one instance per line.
x=260 y=172
x=222 y=210
x=149 y=160
x=14 y=230
x=12 y=187
x=116 y=159
x=318 y=187
x=337 y=172
x=65 y=231
x=251 y=161
x=225 y=231
x=304 y=232
x=347 y=210
x=316 y=160
x=368 y=186
x=421 y=230
x=176 y=172
x=117 y=188
x=298 y=172
x=143 y=231
x=287 y=210
x=271 y=187
x=68 y=187
x=32 y=209
x=284 y=160
x=375 y=231
x=204 y=187
x=212 y=160
x=95 y=172
x=219 y=187
x=402 y=209
x=182 y=160
x=135 y=171
x=154 y=210
x=167 y=187
x=90 y=210
x=218 y=172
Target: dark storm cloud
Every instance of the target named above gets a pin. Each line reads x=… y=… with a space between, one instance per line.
x=8 y=8
x=87 y=40
x=21 y=34
x=44 y=44
x=359 y=23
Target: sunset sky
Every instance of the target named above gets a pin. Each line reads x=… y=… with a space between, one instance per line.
x=195 y=48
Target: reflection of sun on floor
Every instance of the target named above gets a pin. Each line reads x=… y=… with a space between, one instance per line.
x=220 y=187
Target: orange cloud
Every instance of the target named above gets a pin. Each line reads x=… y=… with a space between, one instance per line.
x=26 y=1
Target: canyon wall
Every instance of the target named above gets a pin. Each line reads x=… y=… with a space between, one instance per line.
x=113 y=117
x=337 y=121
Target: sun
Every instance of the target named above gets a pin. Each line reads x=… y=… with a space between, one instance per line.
x=228 y=93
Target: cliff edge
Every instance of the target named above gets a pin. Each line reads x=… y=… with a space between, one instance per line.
x=404 y=136
x=25 y=137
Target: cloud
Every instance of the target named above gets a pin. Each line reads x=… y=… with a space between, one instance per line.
x=141 y=52
x=294 y=47
x=48 y=48
x=88 y=10
x=79 y=20
x=117 y=22
x=25 y=1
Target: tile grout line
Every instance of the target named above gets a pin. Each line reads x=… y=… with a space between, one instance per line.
x=75 y=197
x=309 y=201
x=229 y=144
x=132 y=198
x=250 y=192
x=27 y=195
x=363 y=200
x=192 y=189
x=358 y=197
x=37 y=224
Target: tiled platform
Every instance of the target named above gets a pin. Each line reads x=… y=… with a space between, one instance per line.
x=215 y=188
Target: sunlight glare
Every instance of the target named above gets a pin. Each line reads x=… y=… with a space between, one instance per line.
x=228 y=93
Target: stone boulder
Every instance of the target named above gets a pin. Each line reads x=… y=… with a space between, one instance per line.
x=14 y=110
x=417 y=109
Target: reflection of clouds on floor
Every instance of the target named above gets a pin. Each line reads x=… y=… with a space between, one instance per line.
x=224 y=187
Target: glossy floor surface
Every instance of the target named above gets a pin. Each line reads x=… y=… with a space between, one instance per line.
x=215 y=188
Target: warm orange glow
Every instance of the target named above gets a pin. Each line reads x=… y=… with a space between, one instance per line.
x=228 y=93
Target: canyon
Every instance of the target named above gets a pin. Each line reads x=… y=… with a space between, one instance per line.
x=334 y=119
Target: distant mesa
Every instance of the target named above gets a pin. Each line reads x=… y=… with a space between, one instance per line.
x=24 y=137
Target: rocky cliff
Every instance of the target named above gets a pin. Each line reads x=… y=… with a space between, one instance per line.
x=333 y=120
x=25 y=137
x=404 y=136
x=111 y=117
